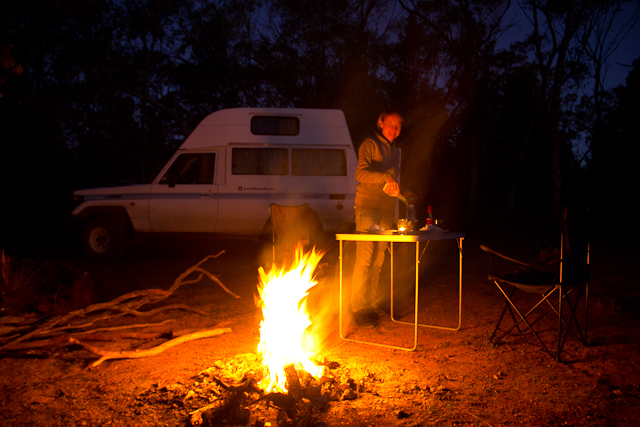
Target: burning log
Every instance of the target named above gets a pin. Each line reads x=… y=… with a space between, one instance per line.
x=230 y=405
x=227 y=393
x=227 y=409
x=293 y=382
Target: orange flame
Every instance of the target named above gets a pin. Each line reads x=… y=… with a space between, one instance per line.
x=283 y=299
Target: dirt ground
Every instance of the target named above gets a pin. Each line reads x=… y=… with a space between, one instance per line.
x=454 y=378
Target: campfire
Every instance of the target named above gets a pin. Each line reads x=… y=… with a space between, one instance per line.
x=293 y=378
x=285 y=343
x=286 y=382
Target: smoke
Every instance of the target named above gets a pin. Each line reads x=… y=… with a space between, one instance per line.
x=435 y=167
x=324 y=299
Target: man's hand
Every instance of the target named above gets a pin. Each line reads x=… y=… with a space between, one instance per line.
x=391 y=187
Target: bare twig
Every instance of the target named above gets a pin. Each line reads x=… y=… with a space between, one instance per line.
x=477 y=417
x=197 y=268
x=215 y=279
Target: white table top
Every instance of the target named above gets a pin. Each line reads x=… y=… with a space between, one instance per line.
x=414 y=236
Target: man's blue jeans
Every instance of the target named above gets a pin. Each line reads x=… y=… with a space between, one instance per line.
x=369 y=260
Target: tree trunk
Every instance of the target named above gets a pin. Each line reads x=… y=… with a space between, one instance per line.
x=556 y=95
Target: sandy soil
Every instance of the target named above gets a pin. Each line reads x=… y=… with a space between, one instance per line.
x=454 y=378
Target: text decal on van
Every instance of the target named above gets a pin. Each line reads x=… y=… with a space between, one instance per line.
x=240 y=188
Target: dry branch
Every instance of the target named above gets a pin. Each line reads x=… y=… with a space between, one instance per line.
x=136 y=354
x=127 y=304
x=129 y=335
x=58 y=341
x=215 y=279
x=58 y=338
x=121 y=327
x=165 y=308
x=180 y=280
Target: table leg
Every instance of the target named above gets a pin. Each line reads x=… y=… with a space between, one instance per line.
x=415 y=336
x=459 y=242
x=340 y=308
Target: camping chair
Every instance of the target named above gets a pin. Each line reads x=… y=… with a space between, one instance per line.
x=293 y=225
x=560 y=284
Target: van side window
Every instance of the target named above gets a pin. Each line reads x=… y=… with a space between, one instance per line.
x=260 y=161
x=275 y=125
x=319 y=162
x=191 y=168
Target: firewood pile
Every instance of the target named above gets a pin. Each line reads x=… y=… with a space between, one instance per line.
x=88 y=323
x=227 y=394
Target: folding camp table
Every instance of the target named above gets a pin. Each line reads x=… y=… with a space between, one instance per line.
x=395 y=237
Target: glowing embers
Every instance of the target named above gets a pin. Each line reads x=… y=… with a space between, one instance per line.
x=283 y=340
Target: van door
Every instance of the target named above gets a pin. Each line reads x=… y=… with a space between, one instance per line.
x=257 y=178
x=185 y=199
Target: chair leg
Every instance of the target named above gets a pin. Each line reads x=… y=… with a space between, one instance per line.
x=573 y=306
x=564 y=326
x=516 y=322
x=523 y=317
x=586 y=298
x=560 y=297
x=504 y=310
x=531 y=310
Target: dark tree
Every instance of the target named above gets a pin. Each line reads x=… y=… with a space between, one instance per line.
x=468 y=31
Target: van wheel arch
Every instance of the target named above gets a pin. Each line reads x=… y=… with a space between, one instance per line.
x=105 y=236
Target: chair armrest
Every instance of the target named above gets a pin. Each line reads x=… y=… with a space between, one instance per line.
x=492 y=252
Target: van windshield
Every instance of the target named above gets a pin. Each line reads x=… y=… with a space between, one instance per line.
x=191 y=168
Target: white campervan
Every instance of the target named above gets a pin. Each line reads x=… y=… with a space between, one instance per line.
x=225 y=176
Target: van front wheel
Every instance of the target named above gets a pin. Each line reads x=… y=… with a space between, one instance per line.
x=102 y=238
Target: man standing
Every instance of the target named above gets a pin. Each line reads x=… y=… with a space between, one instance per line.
x=378 y=174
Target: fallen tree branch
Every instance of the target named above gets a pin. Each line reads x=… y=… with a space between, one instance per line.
x=10 y=337
x=179 y=281
x=97 y=336
x=136 y=354
x=58 y=341
x=215 y=279
x=163 y=308
x=63 y=338
x=124 y=311
x=121 y=327
x=127 y=304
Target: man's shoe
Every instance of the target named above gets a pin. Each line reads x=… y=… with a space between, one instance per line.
x=381 y=313
x=366 y=319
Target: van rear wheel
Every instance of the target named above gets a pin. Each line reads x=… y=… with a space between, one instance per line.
x=103 y=238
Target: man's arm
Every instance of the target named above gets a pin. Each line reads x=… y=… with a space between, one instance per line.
x=365 y=171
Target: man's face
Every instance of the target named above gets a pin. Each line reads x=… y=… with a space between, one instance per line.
x=391 y=126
